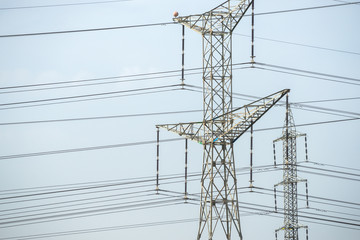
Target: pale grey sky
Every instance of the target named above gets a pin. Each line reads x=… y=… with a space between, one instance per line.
x=281 y=38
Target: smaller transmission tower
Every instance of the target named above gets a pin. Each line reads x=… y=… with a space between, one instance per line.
x=290 y=178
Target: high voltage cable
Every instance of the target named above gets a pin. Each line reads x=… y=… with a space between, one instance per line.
x=97 y=214
x=127 y=196
x=259 y=205
x=101 y=117
x=298 y=106
x=102 y=83
x=91 y=187
x=93 y=84
x=302 y=75
x=299 y=44
x=259 y=168
x=94 y=230
x=97 y=210
x=95 y=79
x=110 y=183
x=146 y=114
x=86 y=184
x=35 y=154
x=91 y=80
x=84 y=210
x=308 y=72
x=329 y=175
x=63 y=5
x=45 y=206
x=110 y=93
x=93 y=99
x=330 y=165
x=314 y=197
x=88 y=203
x=103 y=229
x=71 y=190
x=328 y=100
x=313 y=201
x=332 y=171
x=305 y=9
x=86 y=30
x=163 y=23
x=89 y=95
x=85 y=149
x=160 y=73
x=136 y=207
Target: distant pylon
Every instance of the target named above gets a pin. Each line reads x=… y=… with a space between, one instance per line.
x=290 y=178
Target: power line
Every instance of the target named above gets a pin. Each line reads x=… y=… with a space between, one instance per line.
x=100 y=117
x=300 y=106
x=303 y=75
x=329 y=175
x=36 y=154
x=89 y=82
x=165 y=181
x=303 y=216
x=329 y=100
x=159 y=77
x=102 y=184
x=63 y=5
x=181 y=193
x=309 y=124
x=306 y=9
x=116 y=207
x=336 y=166
x=313 y=201
x=84 y=149
x=104 y=229
x=92 y=84
x=300 y=44
x=86 y=30
x=85 y=210
x=143 y=206
x=314 y=197
x=93 y=99
x=88 y=95
x=309 y=72
x=159 y=24
x=95 y=79
x=327 y=170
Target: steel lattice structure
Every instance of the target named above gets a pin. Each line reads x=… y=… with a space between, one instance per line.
x=221 y=125
x=290 y=178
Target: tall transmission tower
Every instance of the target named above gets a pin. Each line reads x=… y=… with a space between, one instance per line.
x=221 y=125
x=290 y=178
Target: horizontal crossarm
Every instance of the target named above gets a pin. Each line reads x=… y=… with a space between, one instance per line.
x=236 y=124
x=220 y=20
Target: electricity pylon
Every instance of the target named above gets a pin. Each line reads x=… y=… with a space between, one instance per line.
x=290 y=178
x=221 y=125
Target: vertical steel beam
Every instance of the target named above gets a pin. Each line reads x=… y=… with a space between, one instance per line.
x=252 y=31
x=251 y=156
x=186 y=169
x=183 y=57
x=157 y=157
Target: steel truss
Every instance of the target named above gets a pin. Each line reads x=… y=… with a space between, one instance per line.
x=290 y=178
x=222 y=125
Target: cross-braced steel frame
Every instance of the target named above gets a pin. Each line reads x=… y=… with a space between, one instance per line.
x=222 y=125
x=290 y=178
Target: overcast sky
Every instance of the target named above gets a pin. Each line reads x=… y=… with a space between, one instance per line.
x=321 y=46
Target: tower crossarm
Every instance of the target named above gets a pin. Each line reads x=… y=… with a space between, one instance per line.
x=222 y=19
x=235 y=123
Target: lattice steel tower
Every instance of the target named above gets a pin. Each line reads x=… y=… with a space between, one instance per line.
x=221 y=125
x=290 y=178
